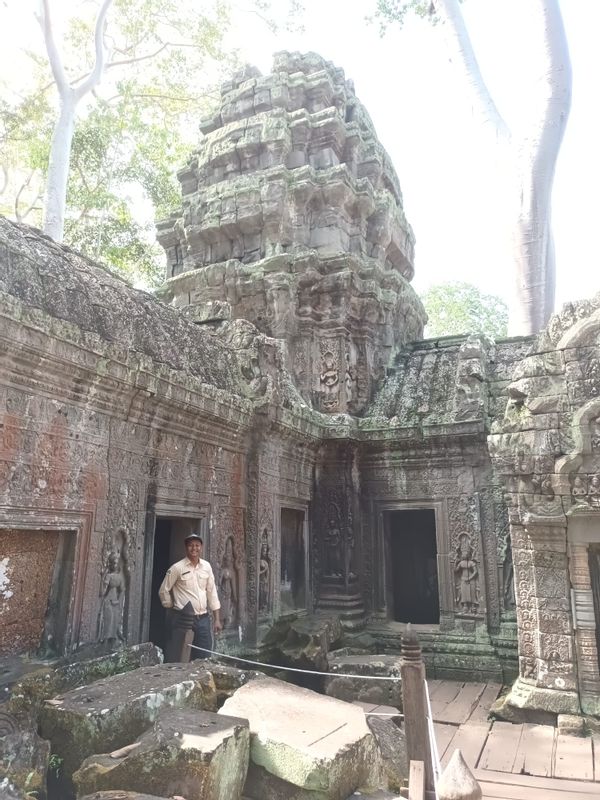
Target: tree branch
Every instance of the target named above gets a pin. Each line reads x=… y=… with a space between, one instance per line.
x=58 y=70
x=18 y=215
x=4 y=173
x=460 y=46
x=96 y=73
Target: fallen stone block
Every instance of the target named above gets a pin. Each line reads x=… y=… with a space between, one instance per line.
x=391 y=741
x=24 y=760
x=362 y=687
x=49 y=680
x=305 y=642
x=303 y=745
x=228 y=679
x=195 y=754
x=112 y=713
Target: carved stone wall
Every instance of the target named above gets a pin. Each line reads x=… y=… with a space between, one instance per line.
x=280 y=388
x=546 y=452
x=292 y=218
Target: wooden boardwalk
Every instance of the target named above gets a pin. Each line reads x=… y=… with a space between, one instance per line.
x=512 y=762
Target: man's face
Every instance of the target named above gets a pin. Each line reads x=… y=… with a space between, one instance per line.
x=193 y=548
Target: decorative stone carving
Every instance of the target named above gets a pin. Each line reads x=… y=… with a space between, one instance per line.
x=329 y=380
x=229 y=586
x=333 y=566
x=467 y=574
x=508 y=573
x=115 y=584
x=265 y=579
x=305 y=193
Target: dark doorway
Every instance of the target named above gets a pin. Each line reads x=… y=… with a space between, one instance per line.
x=412 y=576
x=594 y=564
x=292 y=589
x=169 y=535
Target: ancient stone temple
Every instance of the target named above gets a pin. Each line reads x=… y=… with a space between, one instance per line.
x=279 y=398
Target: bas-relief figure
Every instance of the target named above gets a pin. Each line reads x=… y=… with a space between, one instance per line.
x=228 y=586
x=264 y=575
x=330 y=380
x=333 y=543
x=113 y=596
x=467 y=572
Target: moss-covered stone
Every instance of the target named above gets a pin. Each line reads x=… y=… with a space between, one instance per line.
x=112 y=713
x=24 y=762
x=195 y=754
x=36 y=687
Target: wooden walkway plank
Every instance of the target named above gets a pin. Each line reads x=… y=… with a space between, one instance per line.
x=596 y=749
x=481 y=710
x=501 y=747
x=433 y=686
x=470 y=740
x=498 y=791
x=536 y=787
x=458 y=710
x=573 y=758
x=444 y=695
x=443 y=736
x=535 y=753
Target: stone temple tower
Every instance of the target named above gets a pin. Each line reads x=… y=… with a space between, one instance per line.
x=292 y=218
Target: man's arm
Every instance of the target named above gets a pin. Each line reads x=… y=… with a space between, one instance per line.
x=165 y=588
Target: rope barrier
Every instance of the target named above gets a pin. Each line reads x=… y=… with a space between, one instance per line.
x=296 y=669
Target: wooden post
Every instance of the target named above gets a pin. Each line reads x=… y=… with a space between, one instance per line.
x=414 y=702
x=416 y=781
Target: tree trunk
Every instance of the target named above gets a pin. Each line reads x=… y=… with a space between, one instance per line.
x=534 y=159
x=536 y=164
x=58 y=168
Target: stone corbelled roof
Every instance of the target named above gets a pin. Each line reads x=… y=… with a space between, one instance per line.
x=68 y=286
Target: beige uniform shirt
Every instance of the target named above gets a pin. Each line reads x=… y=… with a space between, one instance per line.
x=185 y=583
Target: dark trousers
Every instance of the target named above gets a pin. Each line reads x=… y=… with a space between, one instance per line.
x=202 y=636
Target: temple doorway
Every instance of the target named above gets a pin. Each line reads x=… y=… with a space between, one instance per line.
x=169 y=547
x=594 y=564
x=413 y=594
x=292 y=587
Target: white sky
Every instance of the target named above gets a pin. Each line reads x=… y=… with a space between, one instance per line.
x=421 y=110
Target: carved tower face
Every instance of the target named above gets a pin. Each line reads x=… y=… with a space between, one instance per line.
x=292 y=218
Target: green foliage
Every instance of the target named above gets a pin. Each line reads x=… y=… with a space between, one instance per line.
x=395 y=11
x=457 y=308
x=166 y=58
x=55 y=764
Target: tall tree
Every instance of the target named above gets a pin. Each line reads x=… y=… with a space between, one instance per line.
x=456 y=308
x=70 y=95
x=532 y=156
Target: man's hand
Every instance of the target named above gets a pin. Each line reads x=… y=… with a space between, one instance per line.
x=217 y=626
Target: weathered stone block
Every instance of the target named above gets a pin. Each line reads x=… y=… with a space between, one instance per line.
x=196 y=754
x=47 y=682
x=303 y=745
x=24 y=760
x=112 y=713
x=385 y=692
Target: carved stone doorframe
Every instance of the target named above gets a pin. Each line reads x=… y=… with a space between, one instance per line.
x=294 y=504
x=443 y=546
x=583 y=530
x=68 y=523
x=166 y=508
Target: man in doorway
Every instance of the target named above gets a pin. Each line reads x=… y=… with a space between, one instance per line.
x=191 y=581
